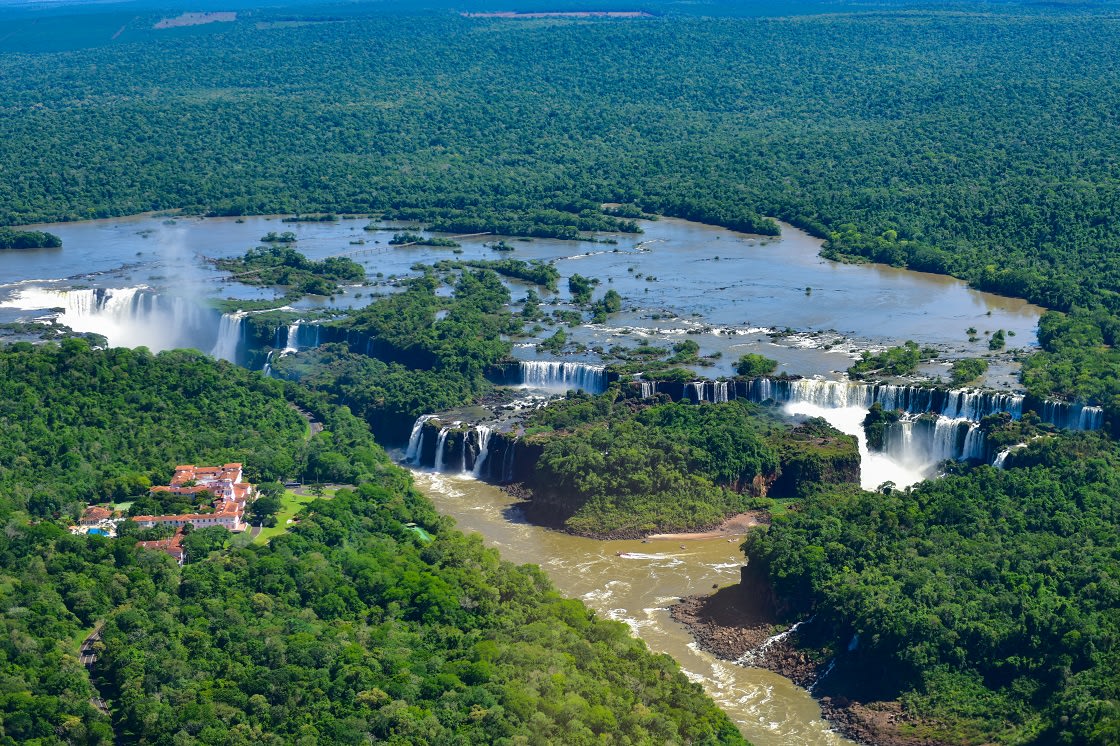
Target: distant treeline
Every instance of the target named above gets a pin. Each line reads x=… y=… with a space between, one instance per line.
x=865 y=129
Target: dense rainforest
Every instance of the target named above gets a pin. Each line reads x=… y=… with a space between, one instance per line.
x=988 y=601
x=975 y=144
x=352 y=626
x=616 y=466
x=977 y=141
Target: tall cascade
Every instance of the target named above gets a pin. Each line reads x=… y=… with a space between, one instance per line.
x=561 y=376
x=483 y=434
x=716 y=392
x=127 y=317
x=507 y=464
x=291 y=342
x=441 y=441
x=919 y=442
x=229 y=336
x=416 y=439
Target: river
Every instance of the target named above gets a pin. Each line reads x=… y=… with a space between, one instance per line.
x=638 y=590
x=144 y=280
x=679 y=280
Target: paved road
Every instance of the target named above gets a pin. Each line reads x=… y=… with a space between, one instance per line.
x=87 y=657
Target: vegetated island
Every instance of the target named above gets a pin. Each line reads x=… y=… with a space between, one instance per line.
x=615 y=466
x=279 y=265
x=17 y=239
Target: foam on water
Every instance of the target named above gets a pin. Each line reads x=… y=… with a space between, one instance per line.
x=875 y=468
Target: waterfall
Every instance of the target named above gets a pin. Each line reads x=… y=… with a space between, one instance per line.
x=267 y=369
x=442 y=441
x=229 y=336
x=507 y=462
x=562 y=376
x=1072 y=416
x=827 y=671
x=648 y=388
x=695 y=391
x=416 y=439
x=719 y=392
x=753 y=655
x=291 y=342
x=483 y=432
x=955 y=404
x=921 y=443
x=127 y=317
x=1000 y=461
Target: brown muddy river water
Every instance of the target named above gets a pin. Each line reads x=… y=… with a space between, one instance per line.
x=638 y=590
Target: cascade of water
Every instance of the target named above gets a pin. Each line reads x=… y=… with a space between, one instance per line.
x=127 y=317
x=973 y=447
x=827 y=671
x=1092 y=418
x=291 y=342
x=507 y=462
x=695 y=391
x=484 y=434
x=267 y=369
x=229 y=335
x=648 y=388
x=463 y=455
x=1000 y=461
x=440 y=441
x=753 y=655
x=556 y=375
x=415 y=439
x=720 y=392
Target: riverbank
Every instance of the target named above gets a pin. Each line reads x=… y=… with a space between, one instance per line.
x=733 y=526
x=735 y=623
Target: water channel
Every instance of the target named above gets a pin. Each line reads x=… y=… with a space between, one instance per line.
x=638 y=589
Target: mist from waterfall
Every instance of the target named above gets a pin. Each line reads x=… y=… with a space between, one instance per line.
x=127 y=317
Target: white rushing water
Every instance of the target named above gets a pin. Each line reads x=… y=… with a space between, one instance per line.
x=229 y=336
x=416 y=439
x=127 y=317
x=554 y=375
x=484 y=434
x=875 y=468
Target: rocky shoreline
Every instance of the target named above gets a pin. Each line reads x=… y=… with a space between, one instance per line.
x=735 y=624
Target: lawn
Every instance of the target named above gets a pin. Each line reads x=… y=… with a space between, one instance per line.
x=290 y=506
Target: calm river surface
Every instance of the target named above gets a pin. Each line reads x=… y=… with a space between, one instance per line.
x=677 y=278
x=638 y=590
